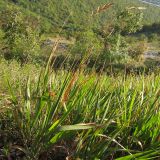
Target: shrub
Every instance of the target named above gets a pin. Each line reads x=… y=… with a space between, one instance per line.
x=137 y=51
x=85 y=41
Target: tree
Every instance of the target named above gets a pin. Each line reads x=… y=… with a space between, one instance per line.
x=20 y=39
x=126 y=22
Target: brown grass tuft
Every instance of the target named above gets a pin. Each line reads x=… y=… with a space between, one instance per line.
x=102 y=8
x=69 y=87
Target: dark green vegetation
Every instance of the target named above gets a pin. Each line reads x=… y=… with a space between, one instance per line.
x=53 y=13
x=97 y=97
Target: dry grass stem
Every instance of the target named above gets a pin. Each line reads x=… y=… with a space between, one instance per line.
x=69 y=87
x=102 y=8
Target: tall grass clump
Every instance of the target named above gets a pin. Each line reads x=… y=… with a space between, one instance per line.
x=76 y=115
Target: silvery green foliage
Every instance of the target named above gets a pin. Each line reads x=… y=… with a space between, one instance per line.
x=127 y=21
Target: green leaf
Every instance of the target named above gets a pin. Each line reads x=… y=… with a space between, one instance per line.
x=76 y=127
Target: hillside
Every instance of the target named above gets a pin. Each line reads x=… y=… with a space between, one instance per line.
x=52 y=14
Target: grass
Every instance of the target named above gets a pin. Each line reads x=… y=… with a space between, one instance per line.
x=48 y=115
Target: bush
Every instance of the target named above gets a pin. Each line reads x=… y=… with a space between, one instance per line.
x=86 y=41
x=137 y=52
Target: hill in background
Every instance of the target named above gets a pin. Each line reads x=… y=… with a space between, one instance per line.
x=52 y=14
